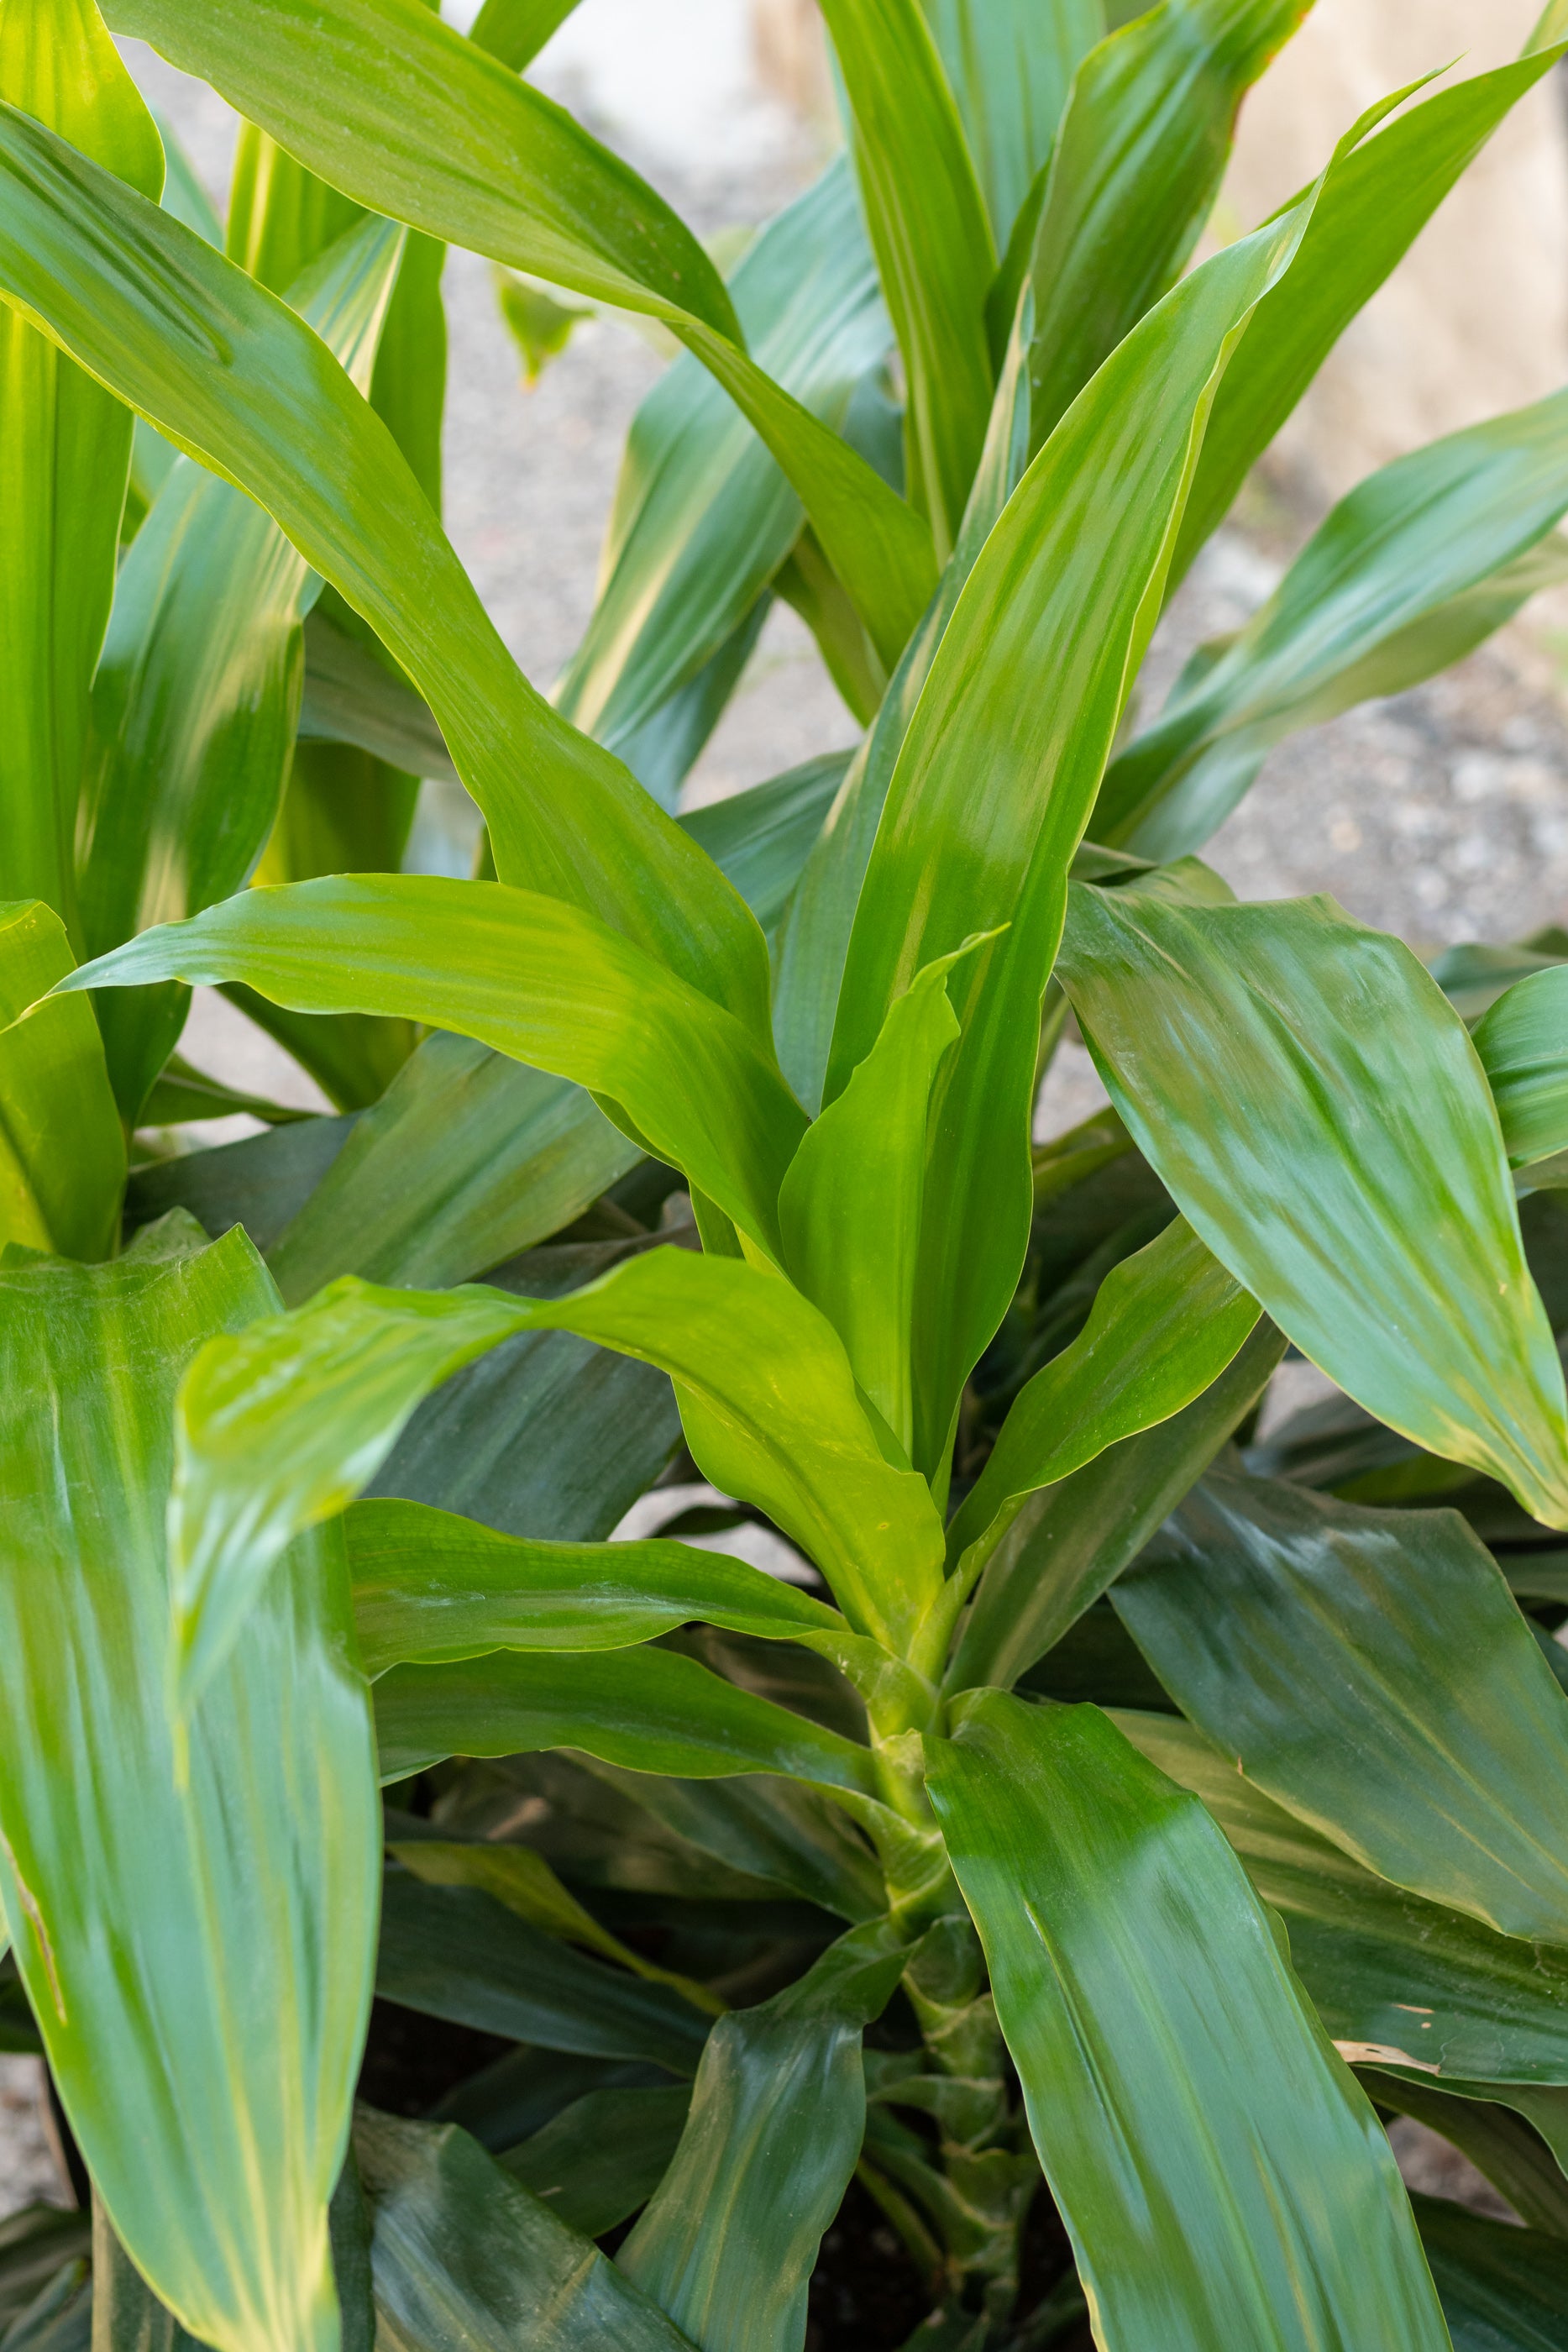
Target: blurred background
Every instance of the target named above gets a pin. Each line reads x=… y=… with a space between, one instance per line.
x=1441 y=815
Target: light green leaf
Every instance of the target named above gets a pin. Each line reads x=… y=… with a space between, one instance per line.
x=1371 y=1670
x=517 y=30
x=1134 y=175
x=1396 y=1980
x=194 y=700
x=1165 y=1324
x=729 y=2239
x=1011 y=774
x=647 y=1710
x=926 y=220
x=849 y=1209
x=1376 y=197
x=462 y=2253
x=1524 y=1044
x=1319 y=1115
x=62 y=1150
x=1068 y=1543
x=454 y=1951
x=1407 y=574
x=1010 y=69
x=537 y=977
x=1221 y=2177
x=430 y=1587
x=66 y=453
x=412 y=120
x=467 y=1159
x=281 y=1427
x=202 y=1999
x=703 y=517
x=242 y=383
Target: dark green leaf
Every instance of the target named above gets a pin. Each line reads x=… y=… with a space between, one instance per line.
x=1223 y=2180
x=595 y=2163
x=1501 y=2145
x=259 y=1182
x=1504 y=2290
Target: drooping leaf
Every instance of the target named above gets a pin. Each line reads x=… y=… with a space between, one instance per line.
x=194 y=699
x=1504 y=2290
x=1222 y=2177
x=201 y=1997
x=1502 y=2146
x=703 y=517
x=1409 y=573
x=1371 y=1670
x=1345 y=1161
x=603 y=2156
x=927 y=224
x=537 y=977
x=1378 y=195
x=467 y=1159
x=1524 y=1044
x=1166 y=1323
x=462 y=2253
x=62 y=1152
x=728 y=2243
x=1396 y=1980
x=281 y=1427
x=454 y=1952
x=648 y=1710
x=246 y=387
x=67 y=453
x=1134 y=175
x=995 y=780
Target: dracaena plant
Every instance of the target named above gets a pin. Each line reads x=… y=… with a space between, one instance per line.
x=1121 y=1799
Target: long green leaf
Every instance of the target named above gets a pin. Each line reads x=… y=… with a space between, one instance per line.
x=1399 y=581
x=729 y=2241
x=538 y=978
x=456 y=1952
x=231 y=375
x=648 y=1710
x=1371 y=1670
x=1504 y=2290
x=281 y=1427
x=1376 y=197
x=603 y=2156
x=517 y=30
x=1069 y=1542
x=1243 y=1047
x=1010 y=69
x=1522 y=1042
x=1134 y=175
x=703 y=517
x=995 y=781
x=927 y=224
x=202 y=1993
x=1397 y=1981
x=194 y=701
x=1165 y=1325
x=1511 y=2153
x=462 y=2254
x=1222 y=2177
x=62 y=1151
x=412 y=120
x=429 y=1587
x=67 y=453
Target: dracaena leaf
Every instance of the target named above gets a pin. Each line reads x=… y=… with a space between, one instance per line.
x=994 y=784
x=1345 y=1162
x=1010 y=69
x=62 y=1150
x=214 y=2131
x=1523 y=1041
x=1222 y=2177
x=1409 y=572
x=66 y=454
x=1500 y=2286
x=537 y=977
x=604 y=2156
x=1511 y=2154
x=1303 y=1634
x=243 y=384
x=282 y=1426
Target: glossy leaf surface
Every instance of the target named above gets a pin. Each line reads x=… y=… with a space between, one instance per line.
x=1372 y=1244
x=246 y=387
x=1371 y=1670
x=728 y=2243
x=462 y=2253
x=537 y=977
x=202 y=1995
x=1222 y=2177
